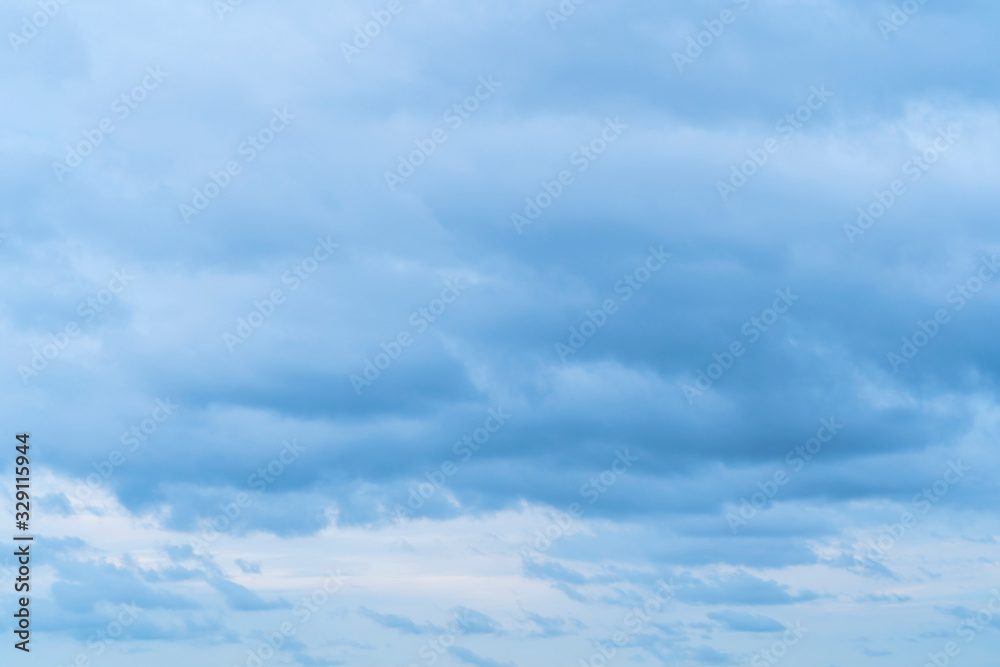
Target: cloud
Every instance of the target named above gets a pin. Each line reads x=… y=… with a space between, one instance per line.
x=552 y=571
x=740 y=621
x=247 y=567
x=119 y=498
x=473 y=622
x=400 y=623
x=890 y=598
x=56 y=503
x=84 y=584
x=740 y=588
x=554 y=627
x=242 y=598
x=470 y=658
x=873 y=653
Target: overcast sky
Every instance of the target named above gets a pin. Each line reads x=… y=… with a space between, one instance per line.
x=504 y=333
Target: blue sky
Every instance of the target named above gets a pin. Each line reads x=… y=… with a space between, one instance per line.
x=523 y=333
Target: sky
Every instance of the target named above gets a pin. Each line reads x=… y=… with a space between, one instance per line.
x=497 y=334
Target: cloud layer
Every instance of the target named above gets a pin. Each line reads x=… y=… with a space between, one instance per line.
x=459 y=333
